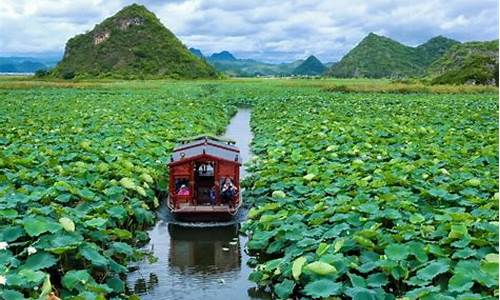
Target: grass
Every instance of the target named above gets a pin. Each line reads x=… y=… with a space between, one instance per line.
x=355 y=85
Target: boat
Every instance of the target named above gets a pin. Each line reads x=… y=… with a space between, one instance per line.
x=199 y=167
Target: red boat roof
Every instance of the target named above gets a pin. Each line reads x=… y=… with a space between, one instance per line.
x=206 y=145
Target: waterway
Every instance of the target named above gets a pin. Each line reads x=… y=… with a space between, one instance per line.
x=199 y=260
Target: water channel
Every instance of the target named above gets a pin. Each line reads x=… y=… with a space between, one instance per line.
x=199 y=261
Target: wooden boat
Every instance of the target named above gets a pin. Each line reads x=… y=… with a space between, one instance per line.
x=198 y=169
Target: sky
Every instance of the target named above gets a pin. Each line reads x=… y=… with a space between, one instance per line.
x=271 y=30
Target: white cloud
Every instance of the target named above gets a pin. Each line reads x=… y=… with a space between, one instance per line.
x=270 y=30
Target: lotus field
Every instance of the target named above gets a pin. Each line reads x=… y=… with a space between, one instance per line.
x=352 y=195
x=370 y=196
x=80 y=172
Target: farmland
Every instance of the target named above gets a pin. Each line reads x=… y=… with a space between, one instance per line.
x=363 y=195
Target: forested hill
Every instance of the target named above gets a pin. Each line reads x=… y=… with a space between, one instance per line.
x=378 y=56
x=473 y=62
x=131 y=44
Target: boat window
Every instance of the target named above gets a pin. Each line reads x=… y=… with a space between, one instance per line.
x=206 y=169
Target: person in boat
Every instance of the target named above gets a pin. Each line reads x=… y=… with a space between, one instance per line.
x=183 y=191
x=212 y=195
x=228 y=190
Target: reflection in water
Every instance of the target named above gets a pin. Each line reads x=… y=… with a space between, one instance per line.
x=142 y=285
x=204 y=250
x=194 y=263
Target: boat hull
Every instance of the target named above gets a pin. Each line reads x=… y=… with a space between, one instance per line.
x=203 y=213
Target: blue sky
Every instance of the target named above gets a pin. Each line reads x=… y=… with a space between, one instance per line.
x=271 y=30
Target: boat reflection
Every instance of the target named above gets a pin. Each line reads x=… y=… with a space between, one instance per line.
x=211 y=250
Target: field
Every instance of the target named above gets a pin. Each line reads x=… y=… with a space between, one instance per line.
x=367 y=195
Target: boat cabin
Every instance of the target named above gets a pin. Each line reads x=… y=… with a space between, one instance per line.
x=199 y=167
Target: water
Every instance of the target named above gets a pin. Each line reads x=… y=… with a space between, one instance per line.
x=200 y=261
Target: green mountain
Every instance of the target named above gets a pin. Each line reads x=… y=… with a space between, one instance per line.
x=27 y=64
x=433 y=49
x=311 y=66
x=472 y=62
x=378 y=56
x=131 y=44
x=20 y=65
x=222 y=56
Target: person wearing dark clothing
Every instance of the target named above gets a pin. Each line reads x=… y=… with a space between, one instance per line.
x=228 y=191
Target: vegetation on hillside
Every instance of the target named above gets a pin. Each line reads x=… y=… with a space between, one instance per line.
x=131 y=44
x=311 y=66
x=473 y=62
x=378 y=56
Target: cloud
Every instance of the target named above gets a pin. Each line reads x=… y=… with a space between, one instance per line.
x=269 y=30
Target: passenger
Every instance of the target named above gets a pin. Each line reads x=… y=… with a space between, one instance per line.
x=212 y=195
x=228 y=191
x=183 y=191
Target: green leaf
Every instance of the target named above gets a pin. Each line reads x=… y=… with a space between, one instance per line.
x=489 y=265
x=322 y=248
x=356 y=280
x=474 y=182
x=11 y=295
x=8 y=213
x=321 y=268
x=397 y=251
x=91 y=254
x=128 y=183
x=417 y=218
x=278 y=194
x=298 y=263
x=96 y=222
x=32 y=275
x=11 y=233
x=457 y=231
x=123 y=248
x=460 y=282
x=377 y=280
x=284 y=289
x=46 y=288
x=118 y=212
x=35 y=226
x=309 y=177
x=116 y=284
x=39 y=260
x=67 y=224
x=76 y=279
x=338 y=244
x=364 y=242
x=432 y=270
x=322 y=288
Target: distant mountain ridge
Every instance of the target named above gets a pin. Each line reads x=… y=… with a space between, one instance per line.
x=131 y=44
x=222 y=56
x=378 y=56
x=311 y=66
x=25 y=64
x=230 y=65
